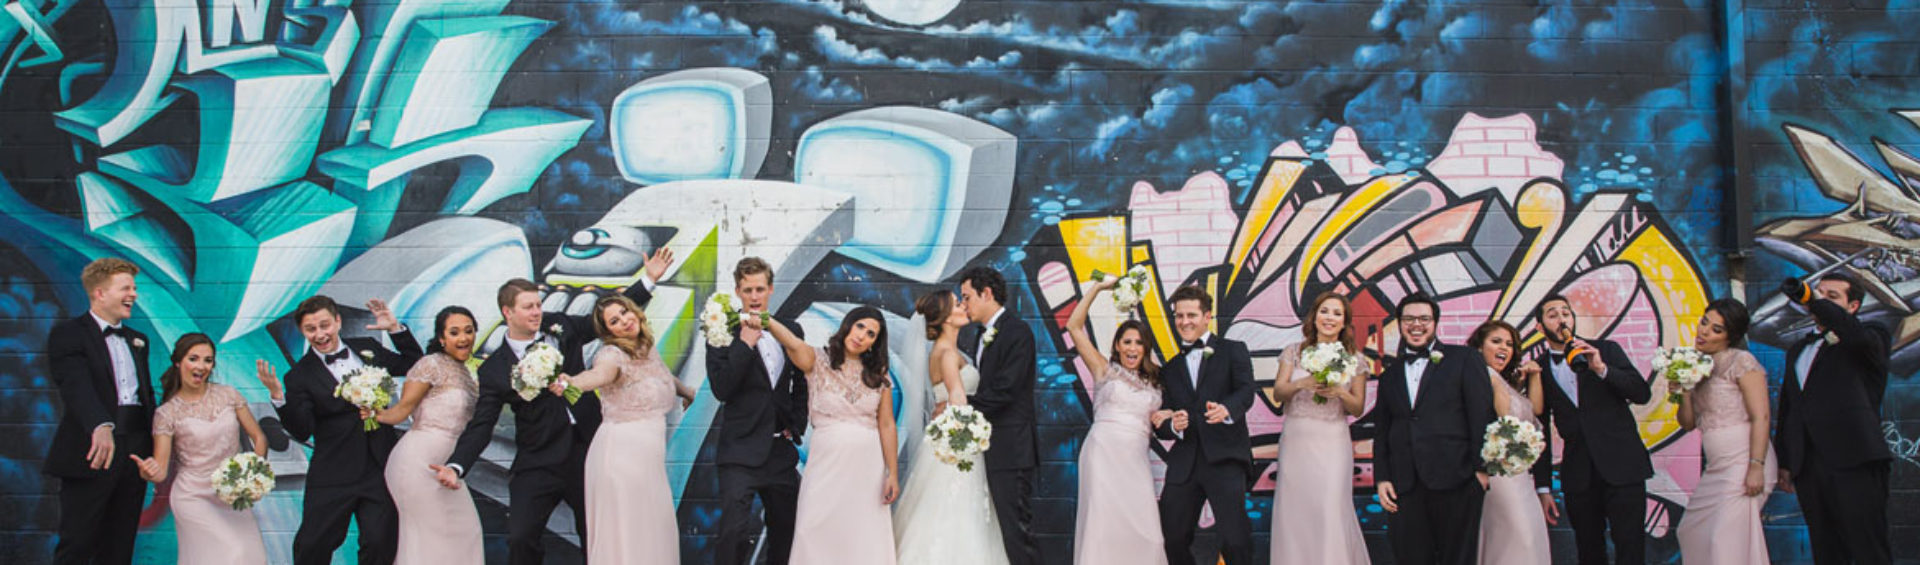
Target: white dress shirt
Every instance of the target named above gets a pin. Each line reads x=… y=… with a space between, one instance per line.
x=772 y=356
x=126 y=385
x=1563 y=374
x=1416 y=369
x=982 y=348
x=1804 y=364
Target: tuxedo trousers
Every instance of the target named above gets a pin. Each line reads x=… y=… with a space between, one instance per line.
x=777 y=483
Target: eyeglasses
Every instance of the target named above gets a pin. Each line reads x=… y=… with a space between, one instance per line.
x=1416 y=319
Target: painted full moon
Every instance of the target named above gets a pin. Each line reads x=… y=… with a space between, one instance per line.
x=912 y=12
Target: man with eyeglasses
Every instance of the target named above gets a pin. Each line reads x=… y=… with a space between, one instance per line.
x=1434 y=404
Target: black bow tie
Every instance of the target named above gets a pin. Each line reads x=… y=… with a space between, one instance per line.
x=1410 y=353
x=334 y=357
x=111 y=331
x=1186 y=347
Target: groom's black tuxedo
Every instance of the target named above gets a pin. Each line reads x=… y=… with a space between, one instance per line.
x=550 y=437
x=1604 y=466
x=1208 y=463
x=1830 y=441
x=761 y=420
x=1429 y=448
x=1005 y=397
x=99 y=509
x=346 y=475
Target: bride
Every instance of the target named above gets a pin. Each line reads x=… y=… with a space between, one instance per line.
x=944 y=514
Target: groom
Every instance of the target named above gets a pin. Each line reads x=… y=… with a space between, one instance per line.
x=1433 y=407
x=1209 y=386
x=1005 y=356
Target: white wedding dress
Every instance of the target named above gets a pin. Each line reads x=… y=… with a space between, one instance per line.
x=944 y=515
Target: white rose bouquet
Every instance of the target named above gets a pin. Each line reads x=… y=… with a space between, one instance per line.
x=1330 y=365
x=1131 y=289
x=1684 y=368
x=370 y=388
x=1512 y=446
x=537 y=370
x=959 y=434
x=243 y=480
x=718 y=318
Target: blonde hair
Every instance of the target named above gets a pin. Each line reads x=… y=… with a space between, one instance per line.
x=103 y=269
x=641 y=345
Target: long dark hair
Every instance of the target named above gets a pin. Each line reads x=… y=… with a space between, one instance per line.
x=170 y=380
x=1512 y=372
x=1309 y=327
x=873 y=362
x=440 y=322
x=1149 y=370
x=1736 y=317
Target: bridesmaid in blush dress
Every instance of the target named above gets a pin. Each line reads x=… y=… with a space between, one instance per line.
x=199 y=425
x=1313 y=518
x=1513 y=528
x=628 y=496
x=1722 y=521
x=851 y=473
x=1119 y=517
x=438 y=522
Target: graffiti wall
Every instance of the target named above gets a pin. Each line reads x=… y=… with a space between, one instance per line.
x=249 y=154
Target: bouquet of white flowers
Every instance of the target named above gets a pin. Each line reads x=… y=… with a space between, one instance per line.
x=1684 y=368
x=537 y=370
x=368 y=387
x=718 y=318
x=1131 y=289
x=958 y=434
x=1512 y=446
x=1330 y=365
x=243 y=480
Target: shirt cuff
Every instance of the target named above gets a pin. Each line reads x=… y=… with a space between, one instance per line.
x=107 y=425
x=278 y=403
x=458 y=470
x=1542 y=490
x=647 y=281
x=1177 y=434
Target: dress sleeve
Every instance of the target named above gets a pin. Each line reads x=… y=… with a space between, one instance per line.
x=163 y=419
x=1744 y=363
x=233 y=398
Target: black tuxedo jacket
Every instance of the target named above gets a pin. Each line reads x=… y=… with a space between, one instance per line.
x=83 y=370
x=753 y=409
x=1436 y=441
x=1226 y=377
x=1601 y=433
x=1839 y=409
x=542 y=434
x=344 y=453
x=1005 y=397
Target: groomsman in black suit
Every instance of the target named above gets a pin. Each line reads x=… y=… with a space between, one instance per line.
x=1004 y=353
x=1832 y=451
x=763 y=413
x=346 y=478
x=1209 y=388
x=100 y=367
x=551 y=437
x=1604 y=467
x=1434 y=406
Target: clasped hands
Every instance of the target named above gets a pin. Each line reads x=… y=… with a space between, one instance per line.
x=1216 y=413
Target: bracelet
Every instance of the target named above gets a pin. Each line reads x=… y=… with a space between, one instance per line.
x=1756 y=461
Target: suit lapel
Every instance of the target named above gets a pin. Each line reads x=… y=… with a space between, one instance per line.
x=1426 y=378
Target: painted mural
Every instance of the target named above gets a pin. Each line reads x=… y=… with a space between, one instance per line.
x=248 y=154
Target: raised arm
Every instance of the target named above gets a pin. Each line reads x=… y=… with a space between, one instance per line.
x=1077 y=328
x=728 y=367
x=605 y=369
x=1620 y=376
x=251 y=427
x=297 y=413
x=1866 y=341
x=799 y=354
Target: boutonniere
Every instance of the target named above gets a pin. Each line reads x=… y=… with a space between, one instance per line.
x=1832 y=338
x=366 y=354
x=555 y=330
x=139 y=343
x=1206 y=351
x=1435 y=357
x=987 y=339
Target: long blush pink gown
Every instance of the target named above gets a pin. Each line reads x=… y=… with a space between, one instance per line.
x=628 y=496
x=1513 y=529
x=843 y=516
x=205 y=433
x=1119 y=517
x=437 y=524
x=1313 y=518
x=1722 y=523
